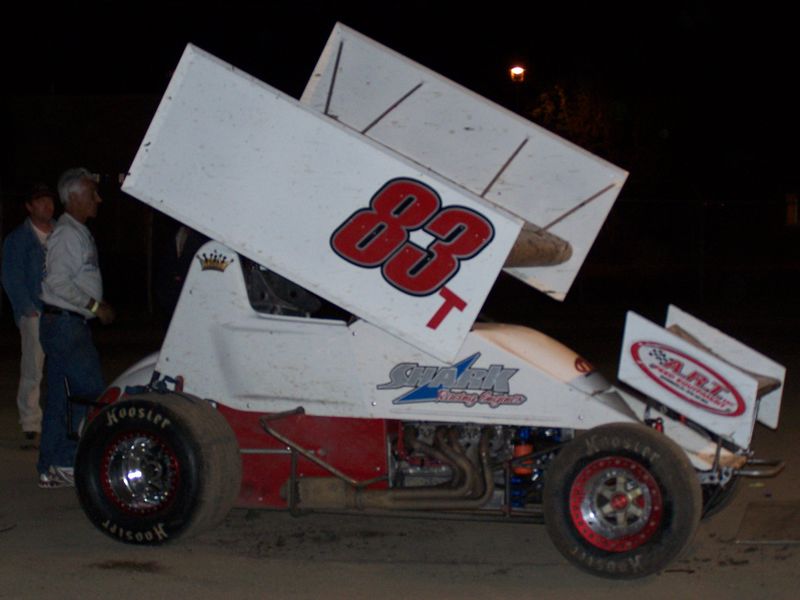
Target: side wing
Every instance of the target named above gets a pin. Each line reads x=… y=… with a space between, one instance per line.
x=562 y=192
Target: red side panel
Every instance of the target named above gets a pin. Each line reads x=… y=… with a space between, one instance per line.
x=356 y=447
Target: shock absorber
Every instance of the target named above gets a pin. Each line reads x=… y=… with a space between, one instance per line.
x=521 y=471
x=523 y=447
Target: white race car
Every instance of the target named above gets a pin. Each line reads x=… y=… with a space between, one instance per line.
x=398 y=196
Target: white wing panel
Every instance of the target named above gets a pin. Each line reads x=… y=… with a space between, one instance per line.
x=321 y=205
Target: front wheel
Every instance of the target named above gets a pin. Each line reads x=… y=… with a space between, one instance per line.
x=155 y=467
x=621 y=501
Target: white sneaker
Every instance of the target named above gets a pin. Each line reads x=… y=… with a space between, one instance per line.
x=57 y=477
x=66 y=474
x=49 y=481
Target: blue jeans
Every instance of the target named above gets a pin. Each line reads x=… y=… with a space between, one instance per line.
x=71 y=354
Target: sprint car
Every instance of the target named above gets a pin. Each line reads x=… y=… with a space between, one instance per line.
x=398 y=196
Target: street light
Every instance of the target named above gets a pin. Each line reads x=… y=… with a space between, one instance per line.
x=517 y=74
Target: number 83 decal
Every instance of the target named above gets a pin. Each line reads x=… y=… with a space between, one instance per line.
x=378 y=236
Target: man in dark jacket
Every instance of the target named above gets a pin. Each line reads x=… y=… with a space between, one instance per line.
x=22 y=270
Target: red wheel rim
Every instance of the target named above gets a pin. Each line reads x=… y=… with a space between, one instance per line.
x=140 y=473
x=616 y=504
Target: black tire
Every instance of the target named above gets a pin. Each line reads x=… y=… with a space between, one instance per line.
x=716 y=497
x=156 y=467
x=621 y=501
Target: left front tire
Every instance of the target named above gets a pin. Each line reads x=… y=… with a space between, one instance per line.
x=156 y=467
x=621 y=501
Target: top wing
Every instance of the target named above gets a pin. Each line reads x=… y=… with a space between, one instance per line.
x=562 y=192
x=332 y=210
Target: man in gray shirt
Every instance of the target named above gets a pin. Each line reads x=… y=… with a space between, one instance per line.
x=72 y=293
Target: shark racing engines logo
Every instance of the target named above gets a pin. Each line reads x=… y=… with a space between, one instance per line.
x=460 y=383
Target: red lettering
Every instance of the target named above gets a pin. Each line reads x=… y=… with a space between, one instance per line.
x=460 y=234
x=372 y=235
x=697 y=378
x=379 y=236
x=451 y=301
x=718 y=387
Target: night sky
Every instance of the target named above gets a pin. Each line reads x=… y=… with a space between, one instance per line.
x=695 y=99
x=714 y=83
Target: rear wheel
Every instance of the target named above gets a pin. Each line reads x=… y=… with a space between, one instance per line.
x=621 y=501
x=157 y=466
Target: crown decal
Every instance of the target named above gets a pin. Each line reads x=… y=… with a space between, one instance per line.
x=214 y=261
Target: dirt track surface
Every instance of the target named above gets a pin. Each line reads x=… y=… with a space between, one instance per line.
x=49 y=549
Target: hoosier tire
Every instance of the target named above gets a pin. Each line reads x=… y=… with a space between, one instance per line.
x=621 y=501
x=156 y=467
